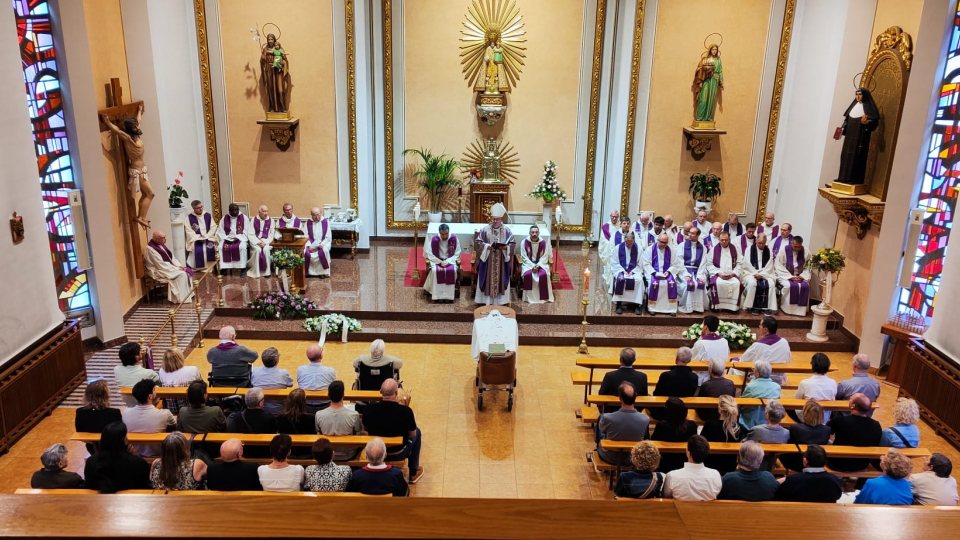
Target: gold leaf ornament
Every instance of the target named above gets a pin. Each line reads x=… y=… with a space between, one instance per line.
x=492 y=23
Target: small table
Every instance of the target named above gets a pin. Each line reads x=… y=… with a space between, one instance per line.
x=297 y=246
x=346 y=233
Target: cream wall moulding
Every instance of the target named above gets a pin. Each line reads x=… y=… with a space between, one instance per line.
x=283 y=132
x=858 y=211
x=699 y=141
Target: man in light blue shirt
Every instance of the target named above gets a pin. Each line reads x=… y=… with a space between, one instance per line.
x=760 y=387
x=271 y=377
x=860 y=383
x=315 y=376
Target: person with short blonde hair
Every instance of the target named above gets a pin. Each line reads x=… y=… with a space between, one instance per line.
x=904 y=433
x=643 y=482
x=175 y=373
x=891 y=488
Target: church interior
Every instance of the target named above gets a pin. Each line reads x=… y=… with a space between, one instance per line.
x=506 y=268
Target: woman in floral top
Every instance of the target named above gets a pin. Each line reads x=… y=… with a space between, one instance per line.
x=327 y=475
x=175 y=470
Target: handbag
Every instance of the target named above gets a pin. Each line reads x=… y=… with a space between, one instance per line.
x=902 y=438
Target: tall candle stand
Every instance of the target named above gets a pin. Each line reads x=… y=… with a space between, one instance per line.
x=555 y=274
x=585 y=301
x=416 y=263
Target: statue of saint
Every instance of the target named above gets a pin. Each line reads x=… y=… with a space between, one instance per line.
x=494 y=81
x=860 y=120
x=274 y=69
x=491 y=162
x=707 y=83
x=136 y=169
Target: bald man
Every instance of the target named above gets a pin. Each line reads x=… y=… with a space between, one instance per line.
x=315 y=376
x=769 y=226
x=319 y=237
x=232 y=474
x=260 y=235
x=162 y=266
x=389 y=418
x=229 y=361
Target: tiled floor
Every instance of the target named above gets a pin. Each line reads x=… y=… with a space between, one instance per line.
x=536 y=451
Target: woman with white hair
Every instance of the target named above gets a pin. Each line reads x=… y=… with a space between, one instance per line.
x=762 y=387
x=377 y=358
x=54 y=475
x=905 y=433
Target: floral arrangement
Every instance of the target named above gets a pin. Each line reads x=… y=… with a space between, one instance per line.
x=827 y=260
x=280 y=305
x=738 y=336
x=473 y=176
x=335 y=323
x=704 y=186
x=548 y=189
x=176 y=193
x=284 y=259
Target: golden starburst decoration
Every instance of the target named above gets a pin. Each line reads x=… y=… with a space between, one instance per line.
x=509 y=162
x=490 y=22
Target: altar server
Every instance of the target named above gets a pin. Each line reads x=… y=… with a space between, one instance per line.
x=201 y=237
x=289 y=220
x=769 y=347
x=317 y=253
x=535 y=255
x=233 y=240
x=443 y=254
x=160 y=264
x=627 y=282
x=260 y=234
x=759 y=278
x=783 y=241
x=694 y=275
x=769 y=226
x=495 y=249
x=723 y=267
x=747 y=239
x=794 y=277
x=662 y=269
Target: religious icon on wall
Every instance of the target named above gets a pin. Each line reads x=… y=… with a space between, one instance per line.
x=707 y=84
x=860 y=120
x=137 y=180
x=16 y=228
x=496 y=161
x=491 y=54
x=274 y=74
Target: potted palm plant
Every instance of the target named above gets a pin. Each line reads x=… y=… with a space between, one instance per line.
x=434 y=176
x=705 y=188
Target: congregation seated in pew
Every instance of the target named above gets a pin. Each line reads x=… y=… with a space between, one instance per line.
x=145 y=417
x=54 y=475
x=197 y=416
x=813 y=483
x=751 y=482
x=230 y=362
x=693 y=481
x=271 y=377
x=175 y=469
x=644 y=481
x=280 y=475
x=624 y=424
x=231 y=473
x=378 y=477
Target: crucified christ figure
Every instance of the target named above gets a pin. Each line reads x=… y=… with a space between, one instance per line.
x=137 y=170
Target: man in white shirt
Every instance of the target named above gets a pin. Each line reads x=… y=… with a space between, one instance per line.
x=694 y=482
x=130 y=371
x=819 y=386
x=145 y=418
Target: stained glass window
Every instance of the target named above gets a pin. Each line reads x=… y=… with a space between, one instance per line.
x=45 y=103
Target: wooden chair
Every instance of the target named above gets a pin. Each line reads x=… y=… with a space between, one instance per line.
x=151 y=285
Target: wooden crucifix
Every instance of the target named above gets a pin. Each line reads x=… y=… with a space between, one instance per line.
x=129 y=154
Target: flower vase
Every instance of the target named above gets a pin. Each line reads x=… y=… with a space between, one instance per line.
x=822 y=311
x=284 y=281
x=547 y=211
x=826 y=288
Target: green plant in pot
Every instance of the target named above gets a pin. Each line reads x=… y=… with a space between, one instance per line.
x=705 y=188
x=434 y=176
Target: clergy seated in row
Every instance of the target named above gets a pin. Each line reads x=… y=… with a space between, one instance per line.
x=769 y=347
x=495 y=249
x=683 y=233
x=769 y=226
x=316 y=254
x=723 y=267
x=649 y=238
x=662 y=269
x=712 y=240
x=606 y=245
x=695 y=278
x=702 y=224
x=759 y=278
x=733 y=227
x=201 y=237
x=627 y=282
x=794 y=278
x=535 y=257
x=162 y=266
x=260 y=235
x=233 y=240
x=783 y=240
x=289 y=220
x=616 y=239
x=644 y=223
x=672 y=230
x=443 y=254
x=745 y=240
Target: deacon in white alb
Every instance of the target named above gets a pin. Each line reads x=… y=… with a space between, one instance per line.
x=723 y=267
x=769 y=226
x=289 y=220
x=260 y=234
x=770 y=347
x=759 y=278
x=662 y=269
x=794 y=277
x=443 y=254
x=319 y=237
x=160 y=264
x=201 y=237
x=233 y=240
x=783 y=241
x=535 y=255
x=747 y=239
x=694 y=276
x=627 y=282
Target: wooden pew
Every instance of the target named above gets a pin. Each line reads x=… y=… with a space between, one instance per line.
x=133 y=438
x=180 y=392
x=828 y=405
x=582 y=378
x=263 y=439
x=194 y=493
x=660 y=401
x=30 y=491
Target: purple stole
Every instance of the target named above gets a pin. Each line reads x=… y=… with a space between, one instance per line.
x=542 y=275
x=448 y=275
x=743 y=243
x=199 y=261
x=799 y=291
x=166 y=254
x=231 y=249
x=228 y=346
x=774 y=231
x=726 y=228
x=296 y=223
x=651 y=238
x=680 y=238
x=618 y=238
x=692 y=263
x=262 y=232
x=711 y=337
x=622 y=282
x=717 y=256
x=639 y=228
x=662 y=266
x=758 y=261
x=778 y=242
x=707 y=243
x=769 y=339
x=605 y=229
x=320 y=255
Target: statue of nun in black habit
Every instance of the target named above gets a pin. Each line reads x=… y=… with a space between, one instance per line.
x=859 y=121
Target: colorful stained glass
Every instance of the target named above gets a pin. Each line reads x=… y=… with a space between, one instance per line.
x=45 y=103
x=938 y=192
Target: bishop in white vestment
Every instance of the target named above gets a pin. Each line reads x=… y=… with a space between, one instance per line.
x=316 y=255
x=770 y=347
x=160 y=264
x=494 y=248
x=694 y=274
x=794 y=278
x=233 y=240
x=627 y=283
x=260 y=234
x=759 y=278
x=201 y=237
x=723 y=267
x=289 y=220
x=535 y=257
x=662 y=269
x=443 y=254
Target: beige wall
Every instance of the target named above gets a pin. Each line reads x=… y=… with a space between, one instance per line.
x=108 y=59
x=681 y=29
x=541 y=121
x=902 y=13
x=306 y=173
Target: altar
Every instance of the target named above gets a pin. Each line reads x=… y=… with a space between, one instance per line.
x=465 y=231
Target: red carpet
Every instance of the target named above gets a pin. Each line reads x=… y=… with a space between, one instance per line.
x=466 y=266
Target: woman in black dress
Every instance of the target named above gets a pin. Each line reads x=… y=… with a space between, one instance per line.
x=674 y=428
x=726 y=429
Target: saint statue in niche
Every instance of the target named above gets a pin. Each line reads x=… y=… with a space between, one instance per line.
x=274 y=69
x=137 y=182
x=859 y=120
x=494 y=80
x=707 y=83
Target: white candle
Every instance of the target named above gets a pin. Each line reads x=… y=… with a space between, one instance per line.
x=559 y=212
x=586 y=284
x=416 y=212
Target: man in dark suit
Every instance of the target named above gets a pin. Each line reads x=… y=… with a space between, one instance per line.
x=625 y=373
x=855 y=429
x=232 y=474
x=679 y=382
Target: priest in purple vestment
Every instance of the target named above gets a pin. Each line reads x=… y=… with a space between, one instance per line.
x=694 y=276
x=662 y=268
x=494 y=250
x=319 y=238
x=233 y=240
x=794 y=278
x=289 y=220
x=746 y=240
x=759 y=278
x=535 y=258
x=443 y=254
x=769 y=226
x=627 y=283
x=783 y=241
x=161 y=265
x=260 y=234
x=201 y=237
x=723 y=267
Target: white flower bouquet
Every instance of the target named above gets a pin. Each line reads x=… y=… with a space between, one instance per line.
x=738 y=336
x=548 y=189
x=335 y=323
